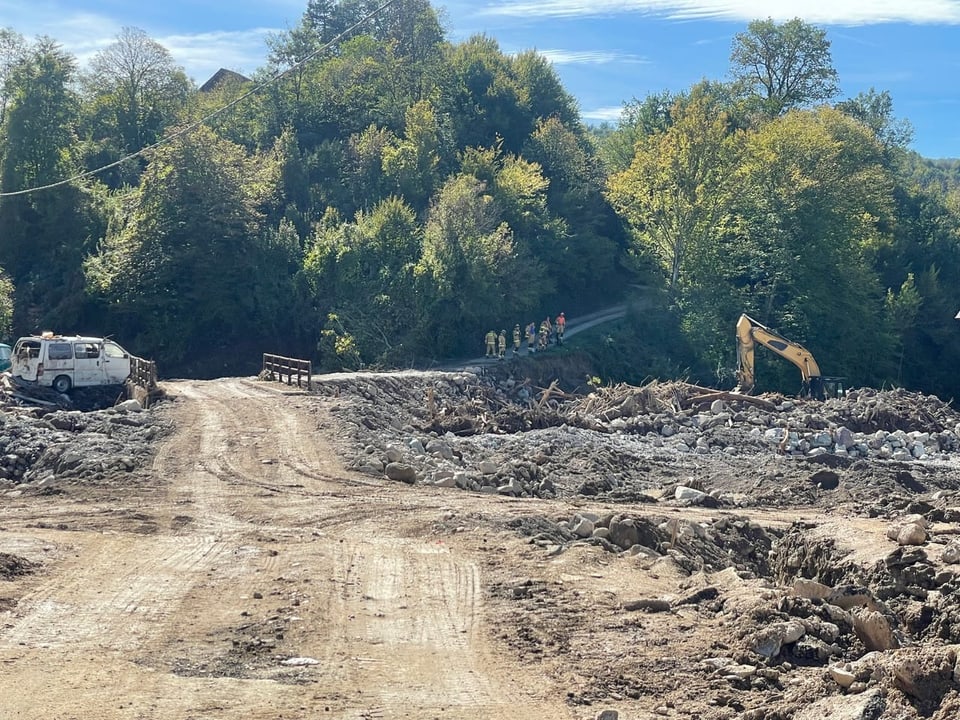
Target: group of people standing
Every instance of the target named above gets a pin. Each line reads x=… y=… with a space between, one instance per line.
x=538 y=339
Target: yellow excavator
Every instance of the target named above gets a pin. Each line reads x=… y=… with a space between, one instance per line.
x=750 y=333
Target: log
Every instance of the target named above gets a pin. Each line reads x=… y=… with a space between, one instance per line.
x=731 y=396
x=546 y=394
x=35 y=401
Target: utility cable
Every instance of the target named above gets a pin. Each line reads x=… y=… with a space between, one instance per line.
x=194 y=125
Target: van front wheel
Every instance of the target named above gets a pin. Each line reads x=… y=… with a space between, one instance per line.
x=62 y=384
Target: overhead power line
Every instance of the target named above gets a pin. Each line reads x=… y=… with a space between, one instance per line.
x=194 y=125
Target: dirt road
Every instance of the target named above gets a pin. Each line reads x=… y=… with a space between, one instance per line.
x=251 y=577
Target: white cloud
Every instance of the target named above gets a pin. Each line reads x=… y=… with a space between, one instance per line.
x=83 y=34
x=828 y=12
x=589 y=57
x=202 y=54
x=603 y=114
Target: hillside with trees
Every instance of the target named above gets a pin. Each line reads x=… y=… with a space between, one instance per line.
x=388 y=198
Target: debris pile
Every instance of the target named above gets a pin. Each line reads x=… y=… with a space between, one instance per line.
x=42 y=450
x=801 y=628
x=503 y=435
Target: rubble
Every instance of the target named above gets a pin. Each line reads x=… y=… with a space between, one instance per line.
x=44 y=448
x=851 y=639
x=684 y=483
x=503 y=435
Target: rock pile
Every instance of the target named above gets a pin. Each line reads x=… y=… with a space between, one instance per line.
x=895 y=425
x=42 y=450
x=500 y=434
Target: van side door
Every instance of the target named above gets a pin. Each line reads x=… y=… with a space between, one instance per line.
x=88 y=369
x=56 y=357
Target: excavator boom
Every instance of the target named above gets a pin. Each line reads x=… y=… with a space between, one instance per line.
x=751 y=333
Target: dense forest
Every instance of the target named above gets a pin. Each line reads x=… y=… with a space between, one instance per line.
x=380 y=195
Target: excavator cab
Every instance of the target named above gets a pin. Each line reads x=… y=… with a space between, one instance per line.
x=833 y=387
x=822 y=388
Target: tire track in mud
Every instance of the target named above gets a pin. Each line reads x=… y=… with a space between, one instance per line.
x=396 y=622
x=116 y=596
x=281 y=437
x=120 y=589
x=406 y=628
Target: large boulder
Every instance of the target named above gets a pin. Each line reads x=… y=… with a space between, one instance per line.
x=627 y=532
x=402 y=472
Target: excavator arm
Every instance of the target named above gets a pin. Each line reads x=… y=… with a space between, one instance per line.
x=750 y=333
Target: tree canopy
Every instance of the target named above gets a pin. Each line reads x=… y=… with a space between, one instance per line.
x=398 y=195
x=789 y=63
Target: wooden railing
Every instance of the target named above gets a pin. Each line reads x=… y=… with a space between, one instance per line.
x=142 y=385
x=143 y=372
x=276 y=366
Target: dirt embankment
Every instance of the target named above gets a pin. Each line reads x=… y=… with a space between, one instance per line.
x=451 y=545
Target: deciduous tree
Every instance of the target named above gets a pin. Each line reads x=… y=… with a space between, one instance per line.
x=674 y=193
x=12 y=50
x=193 y=275
x=789 y=64
x=43 y=234
x=139 y=86
x=470 y=275
x=813 y=201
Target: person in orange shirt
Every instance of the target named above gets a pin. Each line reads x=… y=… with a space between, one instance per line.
x=561 y=326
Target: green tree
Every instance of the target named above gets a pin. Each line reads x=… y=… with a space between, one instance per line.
x=814 y=202
x=902 y=308
x=43 y=234
x=674 y=193
x=139 y=87
x=41 y=124
x=483 y=96
x=368 y=183
x=639 y=119
x=192 y=274
x=13 y=48
x=413 y=31
x=875 y=110
x=588 y=252
x=470 y=276
x=540 y=91
x=926 y=247
x=323 y=20
x=412 y=162
x=6 y=305
x=789 y=63
x=518 y=189
x=362 y=278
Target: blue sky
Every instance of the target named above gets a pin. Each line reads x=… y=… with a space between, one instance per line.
x=605 y=51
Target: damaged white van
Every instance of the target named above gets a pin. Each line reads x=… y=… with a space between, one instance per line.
x=64 y=362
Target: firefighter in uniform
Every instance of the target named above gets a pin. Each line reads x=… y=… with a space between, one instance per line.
x=491 y=339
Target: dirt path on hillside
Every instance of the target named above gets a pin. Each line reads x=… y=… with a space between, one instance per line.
x=253 y=579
